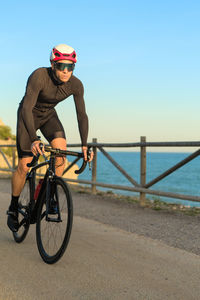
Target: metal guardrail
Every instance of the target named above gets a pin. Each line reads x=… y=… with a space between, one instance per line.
x=141 y=187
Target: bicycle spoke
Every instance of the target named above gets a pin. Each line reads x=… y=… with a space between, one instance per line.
x=24 y=224
x=52 y=234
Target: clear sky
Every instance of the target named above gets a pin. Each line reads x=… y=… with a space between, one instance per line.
x=138 y=60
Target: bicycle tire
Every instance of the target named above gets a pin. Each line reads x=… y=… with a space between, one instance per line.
x=52 y=240
x=23 y=212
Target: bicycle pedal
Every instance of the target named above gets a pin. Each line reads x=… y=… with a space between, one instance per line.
x=58 y=220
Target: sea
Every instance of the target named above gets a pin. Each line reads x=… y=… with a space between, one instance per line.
x=185 y=180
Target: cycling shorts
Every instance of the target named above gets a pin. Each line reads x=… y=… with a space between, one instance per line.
x=48 y=123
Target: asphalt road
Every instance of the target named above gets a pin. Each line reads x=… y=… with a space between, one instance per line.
x=102 y=261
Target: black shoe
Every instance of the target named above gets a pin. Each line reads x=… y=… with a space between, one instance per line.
x=12 y=220
x=53 y=209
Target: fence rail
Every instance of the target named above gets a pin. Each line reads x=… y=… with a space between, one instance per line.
x=141 y=187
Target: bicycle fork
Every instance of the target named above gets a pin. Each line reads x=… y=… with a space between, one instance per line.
x=52 y=195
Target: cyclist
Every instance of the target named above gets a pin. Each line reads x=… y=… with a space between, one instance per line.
x=46 y=87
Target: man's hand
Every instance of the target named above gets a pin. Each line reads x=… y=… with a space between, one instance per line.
x=84 y=150
x=35 y=148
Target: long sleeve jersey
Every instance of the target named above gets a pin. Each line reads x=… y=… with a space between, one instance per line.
x=44 y=91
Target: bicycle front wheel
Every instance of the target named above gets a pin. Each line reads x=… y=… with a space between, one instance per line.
x=23 y=213
x=53 y=231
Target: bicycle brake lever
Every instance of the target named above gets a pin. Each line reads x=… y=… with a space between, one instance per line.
x=35 y=158
x=44 y=156
x=88 y=157
x=90 y=167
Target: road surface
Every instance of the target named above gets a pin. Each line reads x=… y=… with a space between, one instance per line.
x=101 y=262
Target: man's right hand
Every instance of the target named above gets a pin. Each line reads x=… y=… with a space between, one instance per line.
x=35 y=148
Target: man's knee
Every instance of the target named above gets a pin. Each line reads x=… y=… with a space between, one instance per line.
x=59 y=143
x=22 y=168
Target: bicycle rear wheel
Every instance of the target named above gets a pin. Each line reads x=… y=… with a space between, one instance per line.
x=23 y=210
x=53 y=231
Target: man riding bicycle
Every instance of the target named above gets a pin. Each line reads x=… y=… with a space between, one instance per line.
x=46 y=87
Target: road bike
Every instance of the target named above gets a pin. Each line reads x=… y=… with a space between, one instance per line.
x=49 y=205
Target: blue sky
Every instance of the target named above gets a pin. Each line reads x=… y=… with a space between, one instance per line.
x=138 y=60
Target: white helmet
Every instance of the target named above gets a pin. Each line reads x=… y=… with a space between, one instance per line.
x=63 y=51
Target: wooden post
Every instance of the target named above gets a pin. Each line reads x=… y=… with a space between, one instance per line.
x=13 y=158
x=142 y=169
x=94 y=166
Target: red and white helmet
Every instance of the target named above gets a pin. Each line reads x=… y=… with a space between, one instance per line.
x=61 y=52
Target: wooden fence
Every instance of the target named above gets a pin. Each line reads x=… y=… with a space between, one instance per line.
x=141 y=187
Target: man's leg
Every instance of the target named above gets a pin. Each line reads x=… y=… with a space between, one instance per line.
x=19 y=176
x=60 y=161
x=18 y=180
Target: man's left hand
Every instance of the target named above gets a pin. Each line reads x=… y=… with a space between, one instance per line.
x=84 y=150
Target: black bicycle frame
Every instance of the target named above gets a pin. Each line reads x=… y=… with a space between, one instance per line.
x=45 y=187
x=49 y=176
x=31 y=177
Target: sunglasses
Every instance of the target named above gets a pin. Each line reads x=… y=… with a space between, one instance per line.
x=63 y=66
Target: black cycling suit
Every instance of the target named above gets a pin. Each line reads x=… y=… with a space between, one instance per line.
x=36 y=110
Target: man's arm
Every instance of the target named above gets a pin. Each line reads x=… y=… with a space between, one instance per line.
x=30 y=98
x=81 y=114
